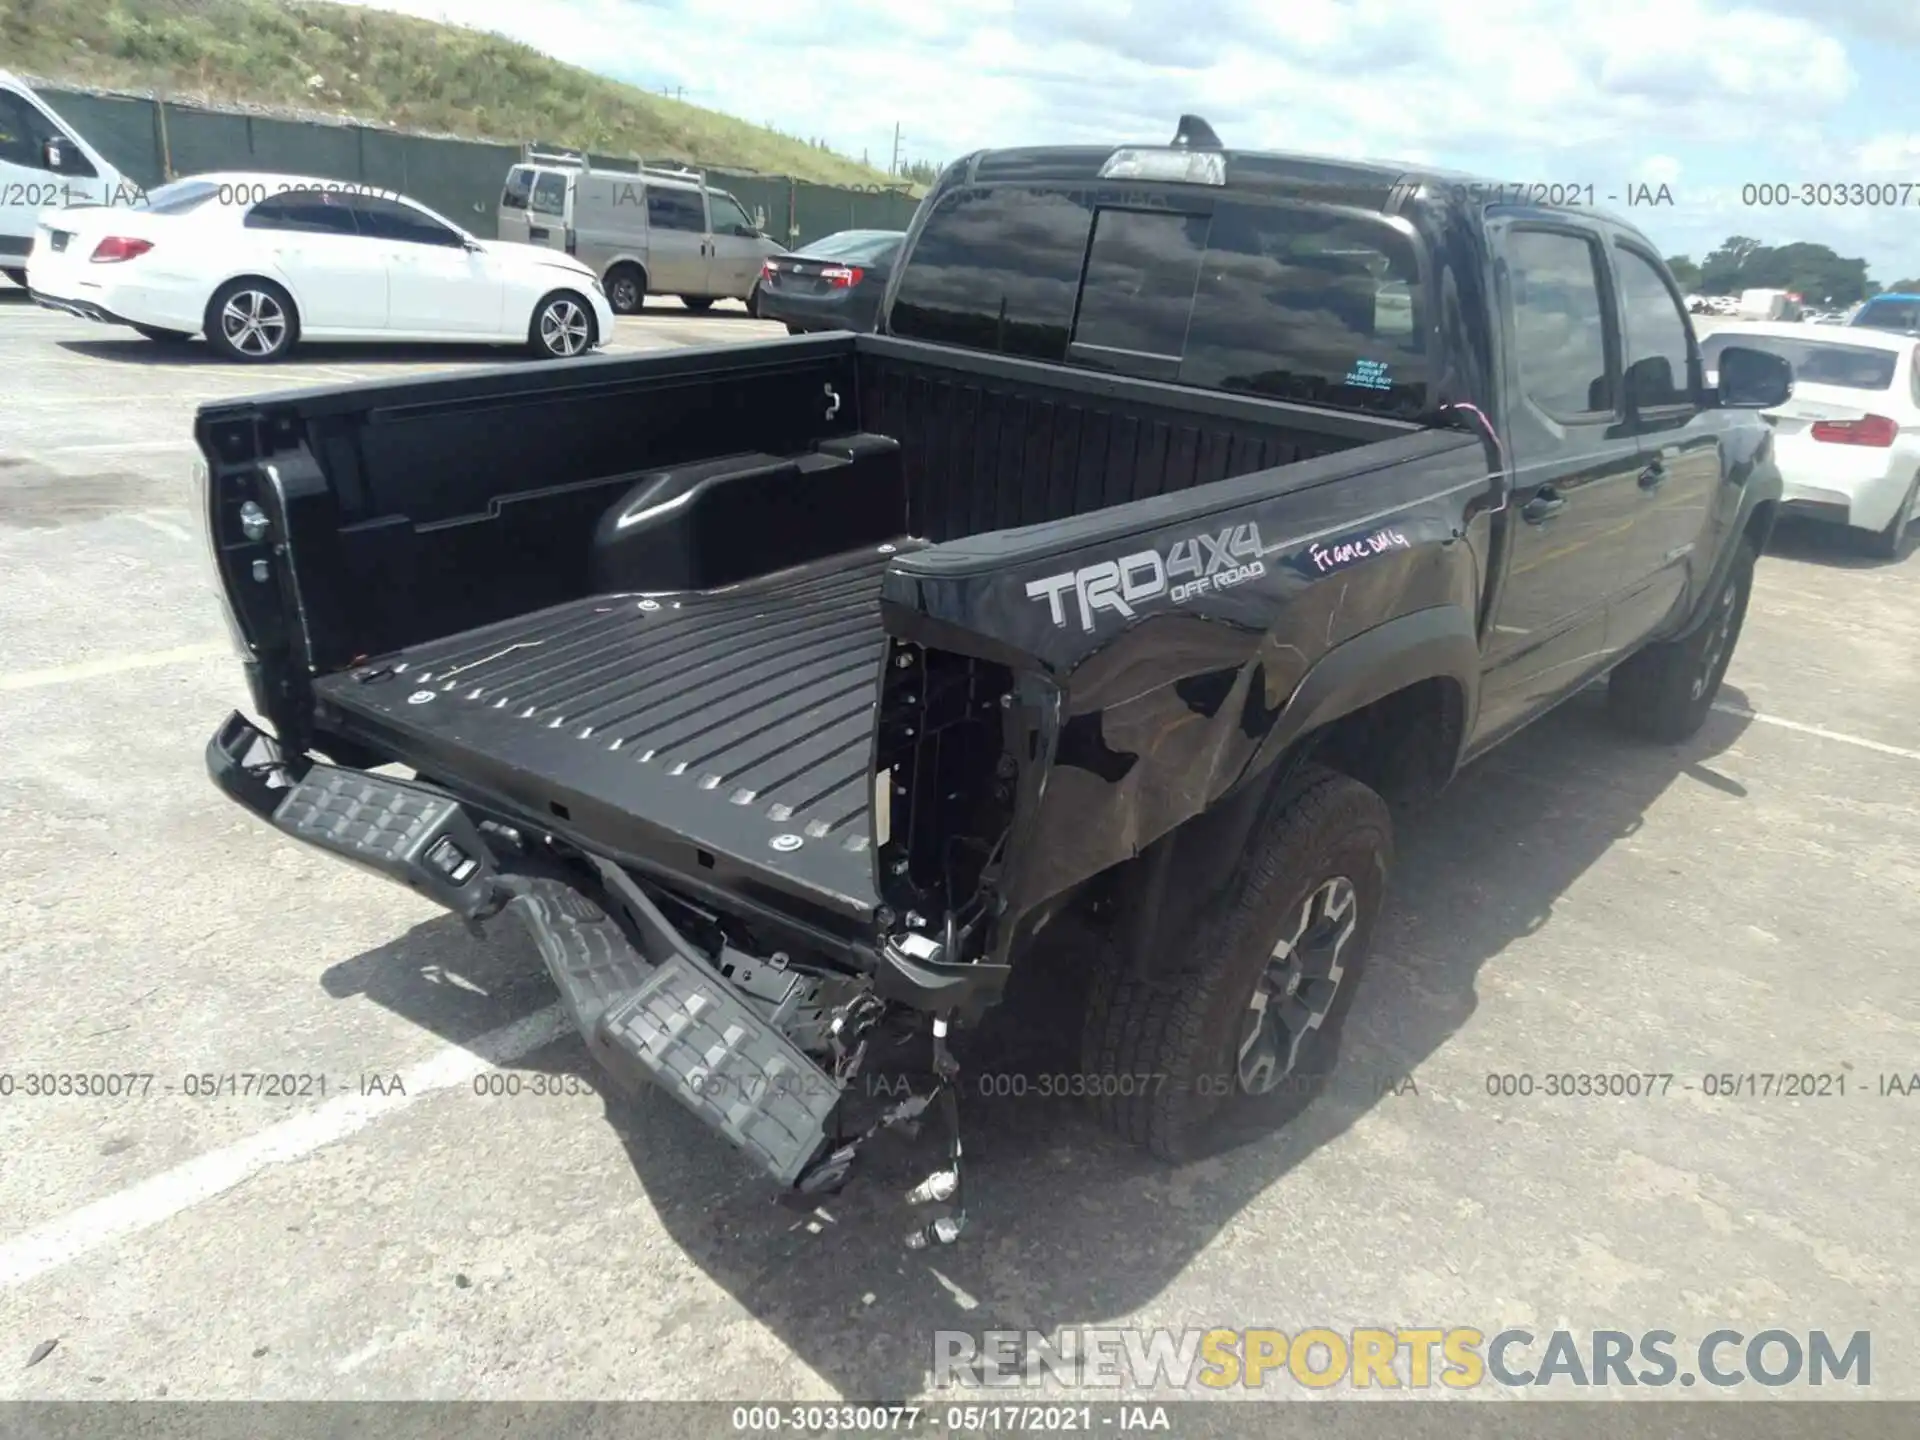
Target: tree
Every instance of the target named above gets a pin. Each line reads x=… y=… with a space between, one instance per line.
x=1720 y=271
x=1815 y=271
x=1686 y=274
x=1905 y=287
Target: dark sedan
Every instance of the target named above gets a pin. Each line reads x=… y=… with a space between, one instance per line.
x=833 y=284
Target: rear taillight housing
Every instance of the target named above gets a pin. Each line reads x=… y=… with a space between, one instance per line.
x=116 y=248
x=1875 y=430
x=842 y=277
x=768 y=270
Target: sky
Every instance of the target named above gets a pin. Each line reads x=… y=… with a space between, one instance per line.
x=1706 y=97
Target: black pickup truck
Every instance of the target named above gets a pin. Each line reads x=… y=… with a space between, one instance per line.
x=1188 y=506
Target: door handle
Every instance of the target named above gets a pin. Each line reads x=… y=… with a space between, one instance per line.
x=1543 y=506
x=1654 y=476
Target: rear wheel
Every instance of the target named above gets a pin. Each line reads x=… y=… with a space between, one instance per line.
x=252 y=320
x=562 y=327
x=163 y=337
x=626 y=289
x=1887 y=543
x=697 y=303
x=1237 y=1036
x=17 y=276
x=1665 y=691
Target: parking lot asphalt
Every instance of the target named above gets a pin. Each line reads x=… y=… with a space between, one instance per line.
x=1744 y=904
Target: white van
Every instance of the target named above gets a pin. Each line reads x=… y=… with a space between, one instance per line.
x=44 y=165
x=1768 y=305
x=646 y=231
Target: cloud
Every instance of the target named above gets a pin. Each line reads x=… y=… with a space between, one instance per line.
x=1527 y=90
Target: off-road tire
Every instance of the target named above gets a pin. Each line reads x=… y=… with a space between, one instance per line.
x=1888 y=543
x=1161 y=1049
x=1665 y=691
x=626 y=286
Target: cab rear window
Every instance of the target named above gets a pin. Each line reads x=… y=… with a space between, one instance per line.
x=1288 y=300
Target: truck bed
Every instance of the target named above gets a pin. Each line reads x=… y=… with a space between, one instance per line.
x=736 y=720
x=457 y=570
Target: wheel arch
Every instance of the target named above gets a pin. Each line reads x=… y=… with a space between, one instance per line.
x=572 y=292
x=296 y=320
x=1391 y=707
x=623 y=261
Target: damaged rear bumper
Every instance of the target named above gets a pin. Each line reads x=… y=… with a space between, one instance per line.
x=648 y=1003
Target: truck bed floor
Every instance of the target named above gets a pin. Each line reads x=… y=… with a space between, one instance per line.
x=732 y=721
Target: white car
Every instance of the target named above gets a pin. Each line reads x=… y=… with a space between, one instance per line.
x=1848 y=442
x=258 y=263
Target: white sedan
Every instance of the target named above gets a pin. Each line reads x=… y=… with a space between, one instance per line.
x=1848 y=441
x=257 y=263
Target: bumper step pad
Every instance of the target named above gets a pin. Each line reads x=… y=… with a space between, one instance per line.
x=682 y=1026
x=410 y=833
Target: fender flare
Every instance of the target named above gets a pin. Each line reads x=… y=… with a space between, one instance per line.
x=1752 y=497
x=1187 y=866
x=1438 y=643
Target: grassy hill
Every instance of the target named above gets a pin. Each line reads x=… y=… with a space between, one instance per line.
x=374 y=66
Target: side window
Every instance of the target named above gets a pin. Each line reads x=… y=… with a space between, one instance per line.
x=549 y=193
x=1656 y=339
x=23 y=133
x=996 y=269
x=313 y=212
x=669 y=208
x=1306 y=304
x=726 y=213
x=1138 y=289
x=519 y=189
x=385 y=219
x=1558 y=323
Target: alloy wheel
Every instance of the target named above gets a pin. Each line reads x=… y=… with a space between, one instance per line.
x=1297 y=987
x=564 y=328
x=253 y=323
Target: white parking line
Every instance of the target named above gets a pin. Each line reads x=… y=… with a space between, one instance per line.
x=112 y=665
x=161 y=1197
x=1798 y=727
x=111 y=446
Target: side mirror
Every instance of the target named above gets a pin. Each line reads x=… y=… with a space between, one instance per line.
x=1753 y=379
x=746 y=232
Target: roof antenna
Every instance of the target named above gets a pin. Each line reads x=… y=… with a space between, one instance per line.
x=1196 y=134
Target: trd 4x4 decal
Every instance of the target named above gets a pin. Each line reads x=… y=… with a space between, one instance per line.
x=1192 y=567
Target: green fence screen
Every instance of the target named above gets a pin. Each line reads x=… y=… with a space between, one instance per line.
x=151 y=141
